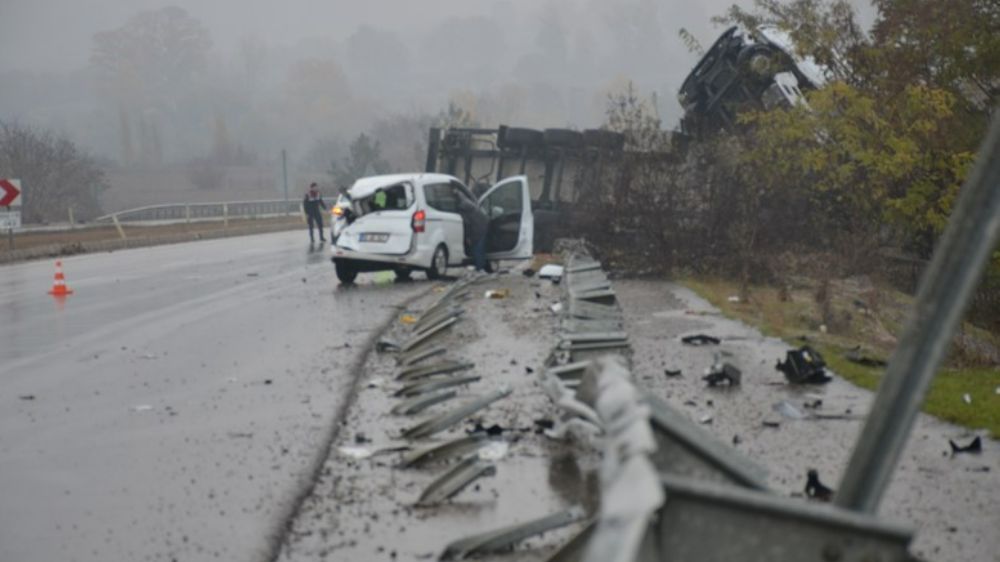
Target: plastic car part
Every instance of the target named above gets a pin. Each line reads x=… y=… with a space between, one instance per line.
x=444 y=421
x=506 y=537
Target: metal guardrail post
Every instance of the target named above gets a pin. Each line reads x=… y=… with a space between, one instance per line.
x=944 y=292
x=187 y=213
x=225 y=215
x=118 y=225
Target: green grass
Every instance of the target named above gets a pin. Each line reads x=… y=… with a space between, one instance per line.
x=797 y=316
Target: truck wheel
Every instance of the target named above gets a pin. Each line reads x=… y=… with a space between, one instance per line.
x=439 y=263
x=567 y=138
x=345 y=272
x=517 y=137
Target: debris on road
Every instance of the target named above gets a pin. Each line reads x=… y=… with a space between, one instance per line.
x=506 y=537
x=408 y=359
x=356 y=453
x=528 y=272
x=430 y=384
x=672 y=373
x=444 y=421
x=975 y=446
x=494 y=430
x=385 y=345
x=497 y=293
x=701 y=339
x=815 y=489
x=442 y=451
x=455 y=479
x=442 y=367
x=421 y=402
x=803 y=366
x=725 y=373
x=786 y=409
x=141 y=408
x=408 y=319
x=550 y=271
x=27 y=397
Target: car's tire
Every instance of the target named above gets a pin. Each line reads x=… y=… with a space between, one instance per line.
x=439 y=263
x=345 y=272
x=403 y=273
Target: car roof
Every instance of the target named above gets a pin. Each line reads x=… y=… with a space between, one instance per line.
x=364 y=187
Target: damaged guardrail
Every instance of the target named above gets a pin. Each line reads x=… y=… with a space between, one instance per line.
x=668 y=487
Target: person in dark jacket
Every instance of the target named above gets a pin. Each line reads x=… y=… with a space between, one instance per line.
x=312 y=205
x=476 y=224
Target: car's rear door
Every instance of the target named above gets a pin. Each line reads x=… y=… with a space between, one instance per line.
x=512 y=225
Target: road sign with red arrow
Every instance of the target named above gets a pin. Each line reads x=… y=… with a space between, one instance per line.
x=10 y=192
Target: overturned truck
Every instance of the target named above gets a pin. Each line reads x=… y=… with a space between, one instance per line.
x=551 y=158
x=745 y=70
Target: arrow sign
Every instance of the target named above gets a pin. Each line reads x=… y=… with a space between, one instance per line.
x=10 y=192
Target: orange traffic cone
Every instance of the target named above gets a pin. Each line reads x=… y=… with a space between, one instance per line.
x=59 y=287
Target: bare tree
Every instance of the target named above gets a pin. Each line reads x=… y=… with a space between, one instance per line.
x=55 y=174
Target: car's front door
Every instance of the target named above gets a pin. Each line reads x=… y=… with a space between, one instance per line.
x=512 y=225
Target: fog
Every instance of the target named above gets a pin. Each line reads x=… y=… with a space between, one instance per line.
x=240 y=80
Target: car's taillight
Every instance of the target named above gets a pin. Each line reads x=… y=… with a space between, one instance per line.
x=337 y=211
x=419 y=218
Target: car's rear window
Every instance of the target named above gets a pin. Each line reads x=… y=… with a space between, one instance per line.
x=392 y=198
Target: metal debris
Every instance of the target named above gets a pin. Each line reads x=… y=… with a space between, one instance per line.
x=439 y=423
x=421 y=402
x=430 y=384
x=458 y=477
x=446 y=450
x=506 y=537
x=442 y=367
x=425 y=335
x=407 y=359
x=385 y=345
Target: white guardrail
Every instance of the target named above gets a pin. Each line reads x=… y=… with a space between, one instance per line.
x=186 y=212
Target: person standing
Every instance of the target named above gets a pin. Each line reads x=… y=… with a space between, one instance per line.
x=476 y=225
x=314 y=206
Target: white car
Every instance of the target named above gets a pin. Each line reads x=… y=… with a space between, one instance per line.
x=404 y=222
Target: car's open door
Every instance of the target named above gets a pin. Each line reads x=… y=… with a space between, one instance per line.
x=512 y=226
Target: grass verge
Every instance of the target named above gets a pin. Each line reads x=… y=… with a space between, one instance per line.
x=875 y=331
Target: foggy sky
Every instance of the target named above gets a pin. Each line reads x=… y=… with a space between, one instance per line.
x=55 y=35
x=552 y=64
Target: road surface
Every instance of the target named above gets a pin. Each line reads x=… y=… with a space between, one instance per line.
x=176 y=404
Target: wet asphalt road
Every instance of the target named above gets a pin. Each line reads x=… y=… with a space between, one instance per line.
x=174 y=405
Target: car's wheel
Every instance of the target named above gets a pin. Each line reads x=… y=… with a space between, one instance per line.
x=439 y=263
x=345 y=272
x=403 y=273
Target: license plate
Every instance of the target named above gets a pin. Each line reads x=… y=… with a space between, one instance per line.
x=373 y=237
